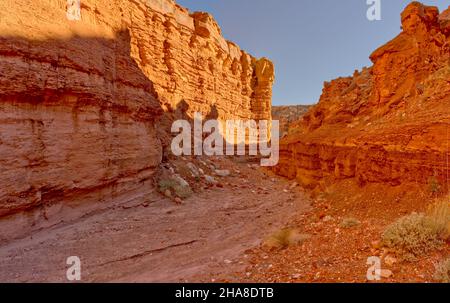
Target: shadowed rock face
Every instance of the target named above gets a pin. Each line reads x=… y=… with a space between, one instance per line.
x=386 y=124
x=75 y=126
x=85 y=105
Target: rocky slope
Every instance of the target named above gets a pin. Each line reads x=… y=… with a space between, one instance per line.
x=85 y=104
x=386 y=124
x=288 y=115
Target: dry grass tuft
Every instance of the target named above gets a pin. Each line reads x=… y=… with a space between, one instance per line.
x=439 y=212
x=285 y=238
x=349 y=223
x=442 y=273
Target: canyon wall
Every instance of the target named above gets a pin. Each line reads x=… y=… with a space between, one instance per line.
x=85 y=104
x=287 y=115
x=386 y=124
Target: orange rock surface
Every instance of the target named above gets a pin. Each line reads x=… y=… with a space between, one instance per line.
x=82 y=102
x=389 y=123
x=287 y=115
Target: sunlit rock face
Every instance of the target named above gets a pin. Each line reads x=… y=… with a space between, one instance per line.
x=87 y=92
x=288 y=116
x=386 y=124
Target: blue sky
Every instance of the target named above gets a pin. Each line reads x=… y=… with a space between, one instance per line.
x=310 y=41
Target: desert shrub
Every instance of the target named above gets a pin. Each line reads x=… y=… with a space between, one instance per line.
x=434 y=185
x=418 y=234
x=349 y=223
x=166 y=184
x=284 y=238
x=412 y=236
x=442 y=273
x=175 y=187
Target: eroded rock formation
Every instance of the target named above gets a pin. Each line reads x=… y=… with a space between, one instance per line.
x=388 y=123
x=287 y=115
x=187 y=58
x=84 y=103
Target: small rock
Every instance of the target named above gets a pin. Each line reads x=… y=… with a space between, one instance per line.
x=390 y=260
x=386 y=273
x=228 y=261
x=168 y=194
x=294 y=185
x=181 y=181
x=327 y=219
x=296 y=276
x=223 y=172
x=210 y=180
x=376 y=244
x=178 y=200
x=194 y=170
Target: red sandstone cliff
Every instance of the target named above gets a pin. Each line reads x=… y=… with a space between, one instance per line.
x=388 y=123
x=83 y=103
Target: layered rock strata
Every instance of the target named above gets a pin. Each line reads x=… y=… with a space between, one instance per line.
x=84 y=102
x=386 y=124
x=287 y=115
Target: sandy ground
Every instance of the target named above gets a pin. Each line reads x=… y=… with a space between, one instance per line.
x=207 y=236
x=336 y=254
x=216 y=235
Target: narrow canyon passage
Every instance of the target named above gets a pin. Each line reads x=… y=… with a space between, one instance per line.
x=162 y=241
x=94 y=92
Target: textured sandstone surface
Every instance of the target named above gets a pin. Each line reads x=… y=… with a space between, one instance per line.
x=386 y=124
x=287 y=115
x=84 y=105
